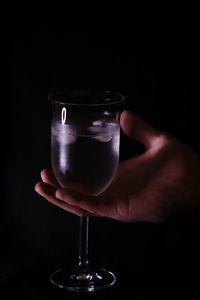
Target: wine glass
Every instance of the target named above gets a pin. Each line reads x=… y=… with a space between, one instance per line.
x=85 y=136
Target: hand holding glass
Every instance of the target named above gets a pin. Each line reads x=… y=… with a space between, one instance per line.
x=85 y=136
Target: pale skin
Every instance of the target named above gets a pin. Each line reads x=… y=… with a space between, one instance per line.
x=160 y=184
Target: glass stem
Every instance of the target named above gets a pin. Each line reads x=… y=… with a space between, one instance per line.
x=83 y=243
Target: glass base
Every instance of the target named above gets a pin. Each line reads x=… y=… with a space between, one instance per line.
x=88 y=280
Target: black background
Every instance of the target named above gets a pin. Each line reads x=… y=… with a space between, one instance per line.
x=157 y=70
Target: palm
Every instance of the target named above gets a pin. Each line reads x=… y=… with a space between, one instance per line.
x=156 y=184
x=161 y=182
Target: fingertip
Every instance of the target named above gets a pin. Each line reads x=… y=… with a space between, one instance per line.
x=38 y=187
x=127 y=122
x=43 y=174
x=124 y=114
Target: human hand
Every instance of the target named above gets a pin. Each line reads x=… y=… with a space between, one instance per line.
x=159 y=184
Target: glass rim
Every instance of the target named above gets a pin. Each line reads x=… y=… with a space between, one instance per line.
x=74 y=97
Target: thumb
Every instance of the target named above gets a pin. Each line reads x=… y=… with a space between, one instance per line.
x=137 y=128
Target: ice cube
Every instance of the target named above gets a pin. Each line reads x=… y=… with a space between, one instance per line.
x=94 y=129
x=101 y=130
x=64 y=133
x=99 y=123
x=103 y=138
x=66 y=138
